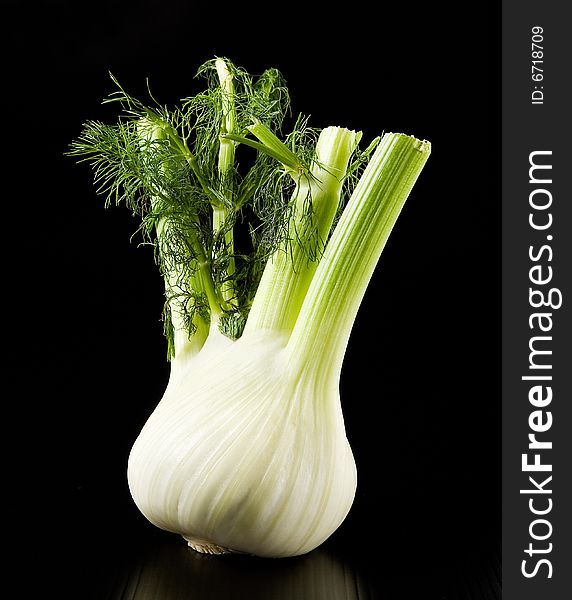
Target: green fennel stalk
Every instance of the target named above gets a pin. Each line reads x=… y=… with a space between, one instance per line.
x=339 y=284
x=181 y=177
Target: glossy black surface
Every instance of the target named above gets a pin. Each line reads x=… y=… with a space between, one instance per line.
x=421 y=381
x=382 y=558
x=392 y=545
x=171 y=572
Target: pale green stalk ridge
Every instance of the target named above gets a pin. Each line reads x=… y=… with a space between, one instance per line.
x=331 y=304
x=226 y=157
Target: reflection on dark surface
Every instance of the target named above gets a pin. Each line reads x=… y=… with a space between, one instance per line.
x=165 y=569
x=171 y=571
x=402 y=546
x=411 y=547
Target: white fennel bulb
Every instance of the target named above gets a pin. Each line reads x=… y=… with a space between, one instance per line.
x=245 y=453
x=247 y=450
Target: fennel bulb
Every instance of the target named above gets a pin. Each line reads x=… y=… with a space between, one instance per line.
x=247 y=450
x=245 y=453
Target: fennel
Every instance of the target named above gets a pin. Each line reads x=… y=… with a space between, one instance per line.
x=247 y=451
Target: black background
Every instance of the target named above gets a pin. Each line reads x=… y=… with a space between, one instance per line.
x=421 y=380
